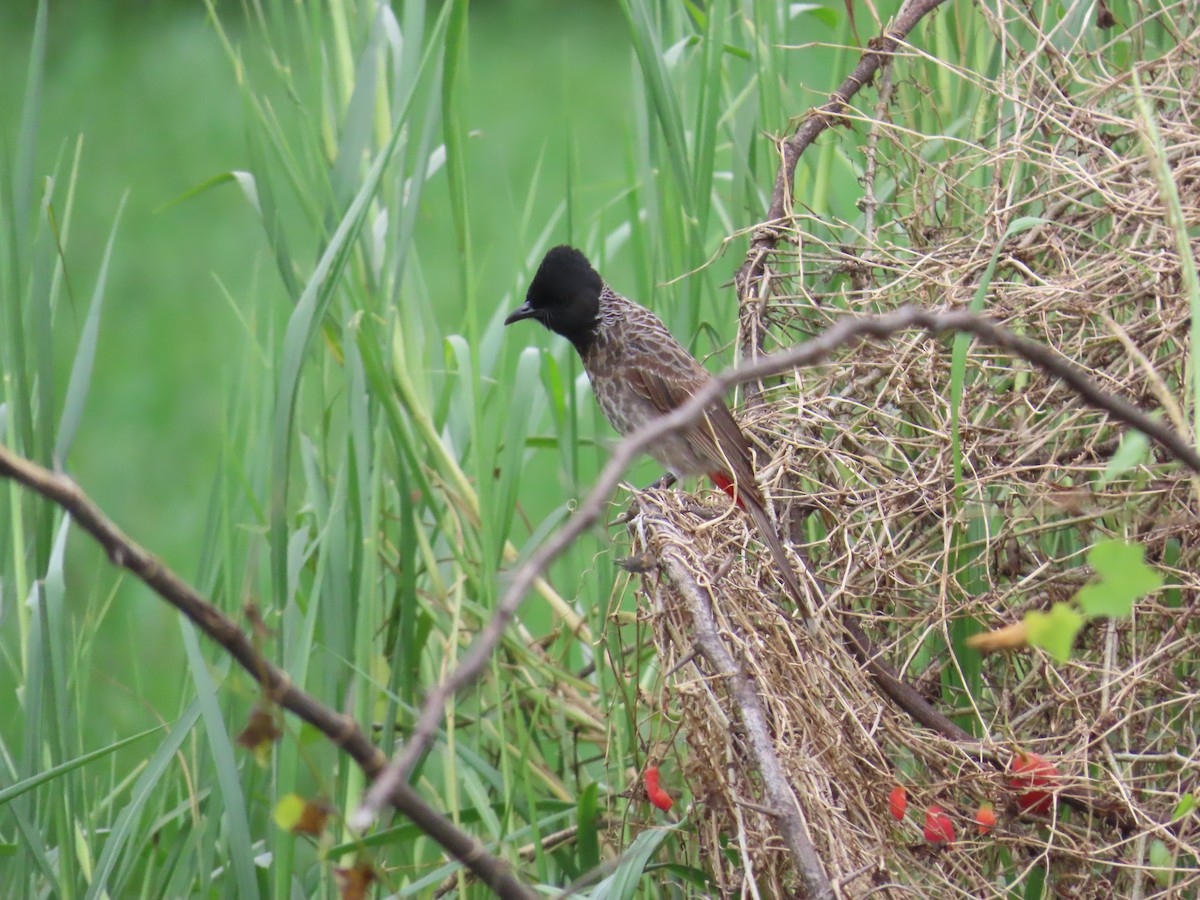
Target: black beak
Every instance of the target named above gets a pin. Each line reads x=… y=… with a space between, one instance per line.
x=524 y=311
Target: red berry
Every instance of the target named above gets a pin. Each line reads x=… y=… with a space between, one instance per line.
x=1031 y=771
x=898 y=802
x=657 y=795
x=985 y=817
x=938 y=827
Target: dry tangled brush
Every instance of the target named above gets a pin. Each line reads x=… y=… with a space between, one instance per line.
x=859 y=458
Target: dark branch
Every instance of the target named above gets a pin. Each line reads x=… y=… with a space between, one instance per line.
x=847 y=332
x=825 y=116
x=342 y=730
x=750 y=276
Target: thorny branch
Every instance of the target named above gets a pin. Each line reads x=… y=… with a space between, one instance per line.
x=342 y=731
x=752 y=285
x=847 y=332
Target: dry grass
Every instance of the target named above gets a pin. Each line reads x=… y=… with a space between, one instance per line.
x=861 y=464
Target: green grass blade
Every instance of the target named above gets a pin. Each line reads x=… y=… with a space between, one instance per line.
x=125 y=832
x=238 y=847
x=454 y=60
x=622 y=884
x=85 y=355
x=1153 y=142
x=28 y=784
x=958 y=356
x=355 y=144
x=24 y=179
x=511 y=460
x=310 y=309
x=663 y=98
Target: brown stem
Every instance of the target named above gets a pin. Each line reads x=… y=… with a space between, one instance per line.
x=342 y=730
x=749 y=279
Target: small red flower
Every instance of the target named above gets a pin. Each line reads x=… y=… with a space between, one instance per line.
x=985 y=817
x=1031 y=771
x=938 y=827
x=657 y=795
x=898 y=802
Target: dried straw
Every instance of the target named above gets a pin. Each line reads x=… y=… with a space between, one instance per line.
x=858 y=456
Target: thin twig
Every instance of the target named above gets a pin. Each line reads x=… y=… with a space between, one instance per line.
x=848 y=331
x=342 y=730
x=870 y=201
x=528 y=852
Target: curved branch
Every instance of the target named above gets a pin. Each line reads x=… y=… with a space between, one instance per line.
x=342 y=730
x=846 y=332
x=750 y=276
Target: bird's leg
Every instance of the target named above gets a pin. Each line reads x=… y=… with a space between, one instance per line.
x=630 y=514
x=663 y=483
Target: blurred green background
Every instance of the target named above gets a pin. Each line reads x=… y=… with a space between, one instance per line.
x=148 y=90
x=150 y=93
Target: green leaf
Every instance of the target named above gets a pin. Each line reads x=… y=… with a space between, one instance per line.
x=1161 y=862
x=1124 y=577
x=623 y=882
x=587 y=817
x=16 y=790
x=1156 y=155
x=1100 y=599
x=1054 y=631
x=1035 y=884
x=827 y=17
x=244 y=180
x=1185 y=806
x=149 y=784
x=85 y=355
x=962 y=342
x=693 y=876
x=1130 y=454
x=1116 y=559
x=240 y=854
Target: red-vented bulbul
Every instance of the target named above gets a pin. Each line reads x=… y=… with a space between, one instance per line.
x=638 y=372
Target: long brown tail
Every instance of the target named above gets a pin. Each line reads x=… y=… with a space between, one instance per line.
x=768 y=535
x=749 y=500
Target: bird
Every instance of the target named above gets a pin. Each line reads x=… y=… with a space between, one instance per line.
x=639 y=372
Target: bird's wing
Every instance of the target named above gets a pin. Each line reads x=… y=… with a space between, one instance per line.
x=660 y=370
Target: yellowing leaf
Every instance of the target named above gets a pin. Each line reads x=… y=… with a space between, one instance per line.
x=1007 y=637
x=296 y=815
x=1054 y=631
x=288 y=811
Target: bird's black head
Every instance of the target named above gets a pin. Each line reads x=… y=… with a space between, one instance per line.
x=564 y=296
